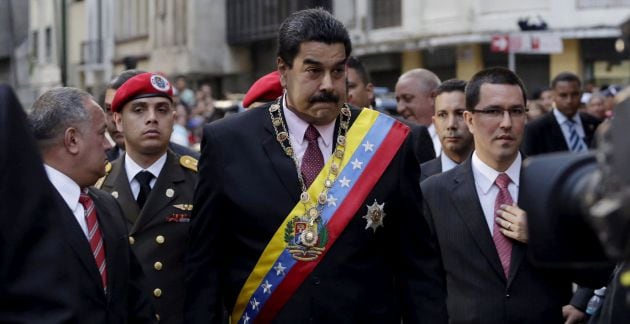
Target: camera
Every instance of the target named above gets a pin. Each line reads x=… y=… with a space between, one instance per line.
x=578 y=205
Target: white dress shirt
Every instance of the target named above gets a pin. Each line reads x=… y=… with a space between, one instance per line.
x=297 y=127
x=447 y=163
x=435 y=138
x=70 y=192
x=563 y=121
x=132 y=168
x=486 y=190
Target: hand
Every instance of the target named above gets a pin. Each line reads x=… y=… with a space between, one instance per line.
x=572 y=315
x=513 y=222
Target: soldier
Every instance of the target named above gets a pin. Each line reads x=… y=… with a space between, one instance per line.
x=154 y=186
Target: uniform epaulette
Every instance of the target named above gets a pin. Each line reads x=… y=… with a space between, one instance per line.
x=108 y=169
x=188 y=162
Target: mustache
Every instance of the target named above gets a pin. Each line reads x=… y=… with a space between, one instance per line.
x=324 y=97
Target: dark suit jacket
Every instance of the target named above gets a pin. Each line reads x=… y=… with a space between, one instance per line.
x=421 y=139
x=163 y=216
x=247 y=187
x=544 y=135
x=476 y=286
x=126 y=300
x=430 y=168
x=34 y=283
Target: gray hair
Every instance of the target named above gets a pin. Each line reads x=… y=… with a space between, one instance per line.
x=55 y=111
x=427 y=80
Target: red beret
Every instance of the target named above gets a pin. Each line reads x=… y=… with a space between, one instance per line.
x=266 y=88
x=144 y=85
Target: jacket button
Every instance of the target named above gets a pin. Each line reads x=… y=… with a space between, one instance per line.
x=316 y=281
x=131 y=240
x=507 y=296
x=159 y=239
x=157 y=266
x=157 y=292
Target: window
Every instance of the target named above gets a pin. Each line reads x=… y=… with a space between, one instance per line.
x=385 y=13
x=48 y=48
x=35 y=49
x=132 y=19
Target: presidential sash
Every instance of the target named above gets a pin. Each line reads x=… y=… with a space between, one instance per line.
x=371 y=143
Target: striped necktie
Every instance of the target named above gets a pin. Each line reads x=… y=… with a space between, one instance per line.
x=502 y=243
x=576 y=144
x=94 y=236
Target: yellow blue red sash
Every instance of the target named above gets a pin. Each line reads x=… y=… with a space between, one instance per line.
x=371 y=143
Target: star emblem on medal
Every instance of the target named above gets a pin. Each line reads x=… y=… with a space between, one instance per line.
x=375 y=215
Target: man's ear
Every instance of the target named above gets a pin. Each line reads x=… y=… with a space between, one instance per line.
x=468 y=118
x=370 y=90
x=118 y=120
x=283 y=68
x=71 y=140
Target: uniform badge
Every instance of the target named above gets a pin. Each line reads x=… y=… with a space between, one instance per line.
x=160 y=83
x=170 y=193
x=375 y=215
x=305 y=241
x=115 y=194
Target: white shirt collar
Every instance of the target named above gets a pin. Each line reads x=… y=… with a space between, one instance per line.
x=67 y=188
x=297 y=126
x=447 y=163
x=486 y=175
x=562 y=119
x=132 y=168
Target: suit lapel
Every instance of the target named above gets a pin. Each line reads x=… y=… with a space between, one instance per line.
x=109 y=241
x=79 y=243
x=589 y=130
x=117 y=181
x=555 y=133
x=466 y=201
x=283 y=165
x=163 y=193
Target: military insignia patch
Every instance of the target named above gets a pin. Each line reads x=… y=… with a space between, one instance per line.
x=305 y=241
x=375 y=215
x=160 y=83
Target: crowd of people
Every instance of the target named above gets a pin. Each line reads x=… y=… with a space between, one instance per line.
x=308 y=207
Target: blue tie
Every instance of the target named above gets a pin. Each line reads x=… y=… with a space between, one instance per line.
x=575 y=141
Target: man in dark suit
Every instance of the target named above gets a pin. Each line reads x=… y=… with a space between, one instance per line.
x=155 y=188
x=69 y=128
x=481 y=231
x=30 y=236
x=456 y=140
x=117 y=137
x=564 y=128
x=274 y=237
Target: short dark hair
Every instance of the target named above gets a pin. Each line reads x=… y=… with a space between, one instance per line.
x=493 y=75
x=121 y=78
x=358 y=66
x=565 y=77
x=310 y=25
x=451 y=85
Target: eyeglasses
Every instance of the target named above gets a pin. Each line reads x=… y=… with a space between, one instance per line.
x=499 y=113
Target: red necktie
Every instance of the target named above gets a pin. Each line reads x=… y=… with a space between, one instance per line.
x=313 y=160
x=502 y=243
x=94 y=235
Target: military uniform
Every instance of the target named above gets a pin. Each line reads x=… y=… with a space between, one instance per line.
x=158 y=233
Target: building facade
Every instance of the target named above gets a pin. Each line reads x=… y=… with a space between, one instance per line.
x=229 y=44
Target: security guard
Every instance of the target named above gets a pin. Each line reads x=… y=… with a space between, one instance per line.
x=155 y=188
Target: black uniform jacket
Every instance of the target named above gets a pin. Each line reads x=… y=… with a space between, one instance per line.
x=159 y=232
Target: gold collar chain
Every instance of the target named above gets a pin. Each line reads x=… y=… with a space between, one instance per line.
x=313 y=208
